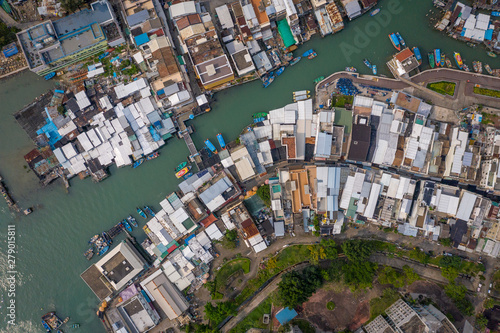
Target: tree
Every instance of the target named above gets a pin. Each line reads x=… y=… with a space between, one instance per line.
x=296 y=287
x=481 y=322
x=230 y=240
x=451 y=261
x=410 y=275
x=71 y=5
x=7 y=34
x=216 y=314
x=450 y=273
x=359 y=274
x=445 y=241
x=316 y=253
x=389 y=275
x=330 y=248
x=455 y=291
x=264 y=194
x=489 y=303
x=419 y=255
x=357 y=250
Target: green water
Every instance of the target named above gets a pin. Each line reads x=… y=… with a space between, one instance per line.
x=52 y=240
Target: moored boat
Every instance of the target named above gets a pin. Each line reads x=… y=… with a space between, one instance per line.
x=52 y=321
x=259 y=115
x=375 y=12
x=89 y=253
x=301 y=98
x=279 y=71
x=210 y=146
x=180 y=166
x=222 y=143
x=127 y=225
x=488 y=69
x=132 y=221
x=268 y=81
x=152 y=156
x=103 y=250
x=431 y=59
x=149 y=211
x=294 y=61
x=492 y=54
x=141 y=212
x=437 y=57
x=312 y=55
x=308 y=52
x=418 y=55
x=187 y=175
x=448 y=63
x=367 y=63
x=401 y=40
x=300 y=92
x=395 y=41
x=183 y=172
x=138 y=162
x=466 y=68
x=477 y=66
x=442 y=60
x=49 y=76
x=374 y=69
x=76 y=325
x=319 y=79
x=458 y=60
x=351 y=69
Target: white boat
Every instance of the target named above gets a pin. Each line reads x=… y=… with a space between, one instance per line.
x=301 y=92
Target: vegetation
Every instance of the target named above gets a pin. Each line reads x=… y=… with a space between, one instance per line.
x=232 y=267
x=341 y=100
x=481 y=322
x=296 y=287
x=330 y=306
x=198 y=328
x=61 y=110
x=7 y=34
x=304 y=325
x=445 y=241
x=358 y=272
x=457 y=293
x=487 y=92
x=380 y=304
x=398 y=279
x=488 y=118
x=230 y=240
x=357 y=250
x=443 y=87
x=216 y=314
x=254 y=319
x=264 y=194
x=489 y=303
x=71 y=5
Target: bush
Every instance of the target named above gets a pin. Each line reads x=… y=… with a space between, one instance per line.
x=264 y=194
x=443 y=87
x=216 y=314
x=380 y=304
x=296 y=287
x=230 y=240
x=487 y=92
x=330 y=306
x=445 y=241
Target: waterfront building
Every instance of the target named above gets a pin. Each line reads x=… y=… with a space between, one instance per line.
x=52 y=45
x=403 y=63
x=352 y=8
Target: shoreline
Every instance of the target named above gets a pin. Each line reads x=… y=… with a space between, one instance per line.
x=17 y=71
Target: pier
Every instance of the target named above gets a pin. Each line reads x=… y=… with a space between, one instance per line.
x=10 y=202
x=185 y=132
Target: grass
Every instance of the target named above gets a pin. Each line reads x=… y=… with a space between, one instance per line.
x=487 y=92
x=380 y=304
x=488 y=118
x=330 y=306
x=443 y=87
x=341 y=100
x=254 y=319
x=230 y=268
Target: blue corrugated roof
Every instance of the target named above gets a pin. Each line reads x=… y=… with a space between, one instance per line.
x=141 y=39
x=489 y=34
x=138 y=18
x=285 y=315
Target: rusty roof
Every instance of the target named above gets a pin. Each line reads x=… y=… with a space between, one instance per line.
x=290 y=143
x=249 y=228
x=403 y=55
x=187 y=21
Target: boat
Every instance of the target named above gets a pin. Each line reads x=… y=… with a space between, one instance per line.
x=152 y=156
x=374 y=69
x=375 y=12
x=301 y=98
x=431 y=59
x=103 y=250
x=351 y=69
x=466 y=68
x=52 y=321
x=492 y=54
x=471 y=45
x=183 y=172
x=395 y=41
x=308 y=52
x=260 y=115
x=319 y=79
x=65 y=320
x=437 y=57
x=106 y=238
x=210 y=146
x=222 y=143
x=141 y=212
x=258 y=120
x=458 y=60
x=442 y=60
x=132 y=221
x=417 y=55
x=448 y=63
x=488 y=69
x=367 y=63
x=300 y=92
x=149 y=211
x=127 y=225
x=75 y=325
x=47 y=327
x=294 y=61
x=279 y=71
x=180 y=166
x=401 y=40
x=268 y=81
x=477 y=66
x=187 y=175
x=138 y=162
x=312 y=55
x=27 y=211
x=89 y=253
x=49 y=76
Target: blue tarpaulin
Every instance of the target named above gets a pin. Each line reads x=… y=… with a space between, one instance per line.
x=489 y=34
x=10 y=50
x=154 y=134
x=285 y=315
x=50 y=130
x=141 y=39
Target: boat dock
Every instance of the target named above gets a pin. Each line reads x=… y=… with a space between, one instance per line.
x=10 y=202
x=185 y=132
x=115 y=230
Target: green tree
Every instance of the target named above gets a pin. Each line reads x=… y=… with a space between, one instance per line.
x=316 y=253
x=455 y=291
x=389 y=275
x=230 y=240
x=216 y=314
x=357 y=250
x=296 y=287
x=359 y=274
x=330 y=248
x=445 y=241
x=481 y=322
x=7 y=34
x=450 y=273
x=451 y=261
x=419 y=255
x=410 y=275
x=264 y=194
x=489 y=303
x=71 y=5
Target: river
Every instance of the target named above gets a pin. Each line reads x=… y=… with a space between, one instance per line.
x=51 y=241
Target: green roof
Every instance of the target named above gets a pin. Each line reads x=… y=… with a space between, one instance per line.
x=286 y=33
x=343 y=117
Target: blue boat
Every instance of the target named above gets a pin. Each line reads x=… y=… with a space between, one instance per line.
x=401 y=40
x=138 y=162
x=103 y=250
x=308 y=52
x=210 y=146
x=187 y=175
x=132 y=221
x=268 y=81
x=279 y=71
x=222 y=143
x=417 y=54
x=49 y=76
x=127 y=225
x=395 y=41
x=367 y=63
x=258 y=120
x=375 y=12
x=374 y=69
x=141 y=212
x=47 y=328
x=149 y=211
x=106 y=238
x=295 y=60
x=437 y=57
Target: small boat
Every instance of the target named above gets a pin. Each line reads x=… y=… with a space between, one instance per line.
x=301 y=98
x=401 y=40
x=294 y=61
x=260 y=115
x=374 y=69
x=268 y=81
x=222 y=143
x=458 y=60
x=89 y=253
x=279 y=71
x=492 y=54
x=106 y=238
x=437 y=57
x=152 y=156
x=395 y=41
x=47 y=327
x=308 y=52
x=94 y=239
x=182 y=172
x=319 y=79
x=466 y=68
x=375 y=12
x=149 y=211
x=300 y=92
x=210 y=146
x=51 y=321
x=138 y=162
x=471 y=45
x=488 y=69
x=441 y=63
x=187 y=175
x=141 y=212
x=448 y=63
x=417 y=55
x=28 y=211
x=351 y=69
x=49 y=76
x=312 y=55
x=258 y=120
x=103 y=250
x=132 y=221
x=180 y=166
x=75 y=326
x=367 y=63
x=431 y=59
x=477 y=66
x=127 y=225
x=65 y=320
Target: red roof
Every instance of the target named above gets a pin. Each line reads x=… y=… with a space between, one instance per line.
x=208 y=220
x=403 y=55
